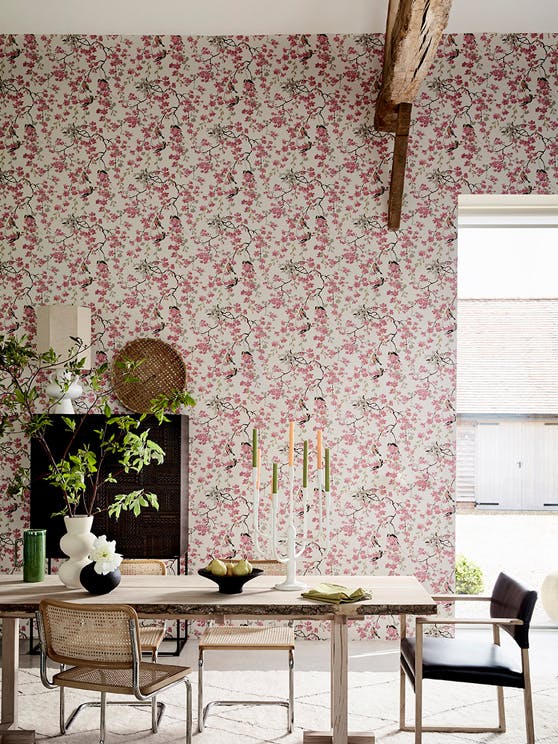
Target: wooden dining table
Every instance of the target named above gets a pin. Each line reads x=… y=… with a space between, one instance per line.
x=193 y=597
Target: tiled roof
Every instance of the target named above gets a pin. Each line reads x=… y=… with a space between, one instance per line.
x=507 y=356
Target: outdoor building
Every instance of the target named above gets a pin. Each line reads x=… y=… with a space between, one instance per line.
x=507 y=403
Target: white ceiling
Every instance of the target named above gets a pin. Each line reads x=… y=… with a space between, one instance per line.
x=222 y=17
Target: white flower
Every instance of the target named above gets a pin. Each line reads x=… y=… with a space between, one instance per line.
x=102 y=548
x=103 y=554
x=108 y=565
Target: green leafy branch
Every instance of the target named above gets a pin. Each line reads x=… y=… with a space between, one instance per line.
x=80 y=471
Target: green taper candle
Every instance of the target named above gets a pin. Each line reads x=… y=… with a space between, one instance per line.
x=327 y=469
x=254 y=448
x=275 y=478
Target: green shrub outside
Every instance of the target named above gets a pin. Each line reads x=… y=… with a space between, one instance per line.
x=468 y=576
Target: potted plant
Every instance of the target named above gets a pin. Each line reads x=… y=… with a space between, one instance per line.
x=119 y=443
x=468 y=576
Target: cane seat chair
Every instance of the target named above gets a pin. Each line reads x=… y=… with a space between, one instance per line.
x=97 y=647
x=151 y=634
x=484 y=662
x=248 y=638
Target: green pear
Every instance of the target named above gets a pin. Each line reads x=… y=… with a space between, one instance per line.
x=242 y=568
x=216 y=567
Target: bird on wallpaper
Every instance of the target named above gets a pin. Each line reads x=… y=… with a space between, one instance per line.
x=307 y=325
x=161 y=145
x=233 y=280
x=233 y=459
x=89 y=97
x=233 y=188
x=379 y=368
x=378 y=461
x=452 y=146
x=306 y=143
x=306 y=416
x=16 y=144
x=14 y=234
x=161 y=234
x=14 y=54
x=234 y=370
x=161 y=52
x=235 y=98
x=455 y=52
x=307 y=235
x=308 y=52
x=87 y=188
x=378 y=279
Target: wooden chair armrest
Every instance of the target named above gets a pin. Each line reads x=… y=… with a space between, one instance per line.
x=424 y=620
x=460 y=598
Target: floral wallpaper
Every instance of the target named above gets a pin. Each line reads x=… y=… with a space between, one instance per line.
x=228 y=195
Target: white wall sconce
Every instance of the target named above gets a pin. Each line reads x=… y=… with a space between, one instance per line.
x=57 y=328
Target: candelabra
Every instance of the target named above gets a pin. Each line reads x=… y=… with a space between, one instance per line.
x=295 y=544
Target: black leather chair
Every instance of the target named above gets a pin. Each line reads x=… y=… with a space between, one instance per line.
x=483 y=662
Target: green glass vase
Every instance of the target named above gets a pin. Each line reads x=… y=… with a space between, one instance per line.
x=34 y=555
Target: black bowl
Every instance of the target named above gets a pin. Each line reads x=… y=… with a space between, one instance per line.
x=230 y=584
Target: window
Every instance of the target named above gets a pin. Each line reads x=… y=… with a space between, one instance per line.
x=507 y=351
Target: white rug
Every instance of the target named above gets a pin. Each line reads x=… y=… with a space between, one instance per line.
x=373 y=703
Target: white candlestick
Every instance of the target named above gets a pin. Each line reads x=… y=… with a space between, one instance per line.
x=285 y=550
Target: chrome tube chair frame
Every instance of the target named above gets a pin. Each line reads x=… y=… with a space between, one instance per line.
x=245 y=638
x=98 y=670
x=431 y=658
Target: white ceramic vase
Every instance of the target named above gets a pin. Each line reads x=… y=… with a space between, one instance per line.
x=77 y=544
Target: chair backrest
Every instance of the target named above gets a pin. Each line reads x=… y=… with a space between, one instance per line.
x=512 y=599
x=143 y=567
x=89 y=634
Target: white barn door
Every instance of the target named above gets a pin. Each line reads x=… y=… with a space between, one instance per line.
x=498 y=476
x=516 y=465
x=546 y=475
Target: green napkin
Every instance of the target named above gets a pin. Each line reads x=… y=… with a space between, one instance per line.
x=337 y=594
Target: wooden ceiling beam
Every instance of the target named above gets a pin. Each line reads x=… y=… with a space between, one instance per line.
x=398 y=165
x=413 y=31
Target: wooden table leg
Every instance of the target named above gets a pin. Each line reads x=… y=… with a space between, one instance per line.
x=10 y=667
x=339 y=693
x=339 y=679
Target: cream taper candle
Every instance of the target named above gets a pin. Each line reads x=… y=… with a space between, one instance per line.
x=291 y=443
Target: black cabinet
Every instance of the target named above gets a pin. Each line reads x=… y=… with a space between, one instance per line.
x=152 y=534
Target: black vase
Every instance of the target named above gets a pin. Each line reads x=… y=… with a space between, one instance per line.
x=96 y=583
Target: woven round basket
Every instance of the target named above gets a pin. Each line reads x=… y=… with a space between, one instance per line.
x=162 y=371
